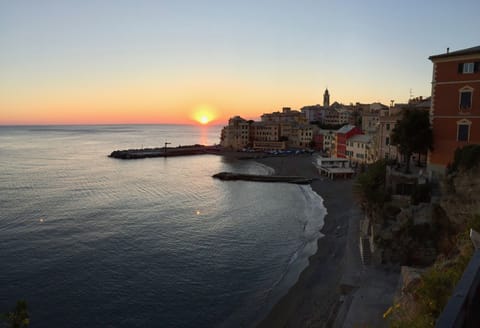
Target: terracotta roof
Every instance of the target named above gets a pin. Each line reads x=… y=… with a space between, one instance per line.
x=468 y=51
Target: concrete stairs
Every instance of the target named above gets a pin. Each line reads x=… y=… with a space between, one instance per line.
x=365 y=252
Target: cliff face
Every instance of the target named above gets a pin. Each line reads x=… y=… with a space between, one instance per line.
x=406 y=235
x=415 y=235
x=461 y=197
x=423 y=294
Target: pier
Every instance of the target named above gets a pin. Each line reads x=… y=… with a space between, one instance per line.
x=229 y=176
x=165 y=152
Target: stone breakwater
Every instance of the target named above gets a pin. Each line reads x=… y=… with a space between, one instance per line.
x=165 y=152
x=228 y=176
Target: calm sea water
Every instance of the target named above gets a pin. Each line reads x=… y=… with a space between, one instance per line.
x=91 y=241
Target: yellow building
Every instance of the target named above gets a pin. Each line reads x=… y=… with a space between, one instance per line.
x=360 y=149
x=237 y=134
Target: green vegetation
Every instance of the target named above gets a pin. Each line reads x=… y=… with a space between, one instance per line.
x=18 y=317
x=370 y=185
x=466 y=158
x=436 y=285
x=413 y=134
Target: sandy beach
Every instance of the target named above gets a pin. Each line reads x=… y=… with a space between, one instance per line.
x=336 y=289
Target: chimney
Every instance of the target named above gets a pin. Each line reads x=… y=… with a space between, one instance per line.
x=448 y=50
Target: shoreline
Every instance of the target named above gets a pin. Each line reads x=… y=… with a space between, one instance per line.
x=316 y=297
x=335 y=289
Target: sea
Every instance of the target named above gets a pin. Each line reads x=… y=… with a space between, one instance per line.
x=91 y=241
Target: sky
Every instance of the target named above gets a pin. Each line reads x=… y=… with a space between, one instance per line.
x=116 y=61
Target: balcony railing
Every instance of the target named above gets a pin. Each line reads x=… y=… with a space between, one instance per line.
x=463 y=307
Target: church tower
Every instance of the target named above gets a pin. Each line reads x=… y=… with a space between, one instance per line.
x=326 y=99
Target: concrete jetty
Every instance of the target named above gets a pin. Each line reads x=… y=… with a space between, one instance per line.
x=261 y=178
x=165 y=152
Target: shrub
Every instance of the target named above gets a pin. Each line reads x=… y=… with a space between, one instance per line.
x=466 y=157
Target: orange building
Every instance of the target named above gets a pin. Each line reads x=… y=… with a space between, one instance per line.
x=455 y=108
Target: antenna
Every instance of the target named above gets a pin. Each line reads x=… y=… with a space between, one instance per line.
x=411 y=93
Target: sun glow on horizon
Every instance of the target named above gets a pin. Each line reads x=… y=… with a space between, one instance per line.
x=204 y=120
x=204 y=114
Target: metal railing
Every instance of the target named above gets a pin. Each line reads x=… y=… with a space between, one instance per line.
x=463 y=307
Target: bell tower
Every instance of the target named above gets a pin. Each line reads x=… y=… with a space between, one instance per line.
x=326 y=99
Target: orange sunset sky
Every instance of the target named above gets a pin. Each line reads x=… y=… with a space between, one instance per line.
x=113 y=62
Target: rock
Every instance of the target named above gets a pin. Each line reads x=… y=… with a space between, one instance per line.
x=422 y=214
x=404 y=216
x=386 y=234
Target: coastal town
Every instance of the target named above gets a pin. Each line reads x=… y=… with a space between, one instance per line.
x=403 y=194
x=267 y=164
x=414 y=163
x=361 y=133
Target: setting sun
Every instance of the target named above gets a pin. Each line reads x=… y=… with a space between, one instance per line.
x=204 y=114
x=204 y=120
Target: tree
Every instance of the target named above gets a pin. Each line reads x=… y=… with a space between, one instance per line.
x=413 y=134
x=18 y=318
x=370 y=185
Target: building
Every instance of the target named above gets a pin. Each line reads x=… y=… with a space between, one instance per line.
x=269 y=145
x=287 y=115
x=326 y=99
x=266 y=136
x=336 y=116
x=370 y=121
x=305 y=134
x=237 y=134
x=360 y=149
x=371 y=117
x=324 y=140
x=342 y=136
x=312 y=113
x=276 y=131
x=455 y=105
x=334 y=167
x=266 y=131
x=384 y=149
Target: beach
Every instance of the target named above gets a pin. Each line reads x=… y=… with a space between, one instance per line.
x=336 y=289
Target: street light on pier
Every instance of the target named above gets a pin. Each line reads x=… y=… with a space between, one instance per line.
x=165 y=151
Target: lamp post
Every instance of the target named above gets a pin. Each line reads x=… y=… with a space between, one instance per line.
x=165 y=149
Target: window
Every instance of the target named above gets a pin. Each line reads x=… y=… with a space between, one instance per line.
x=465 y=99
x=387 y=141
x=468 y=68
x=463 y=132
x=388 y=126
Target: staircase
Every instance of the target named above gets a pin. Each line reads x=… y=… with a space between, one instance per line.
x=365 y=252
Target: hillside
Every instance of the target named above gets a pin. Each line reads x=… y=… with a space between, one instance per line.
x=428 y=240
